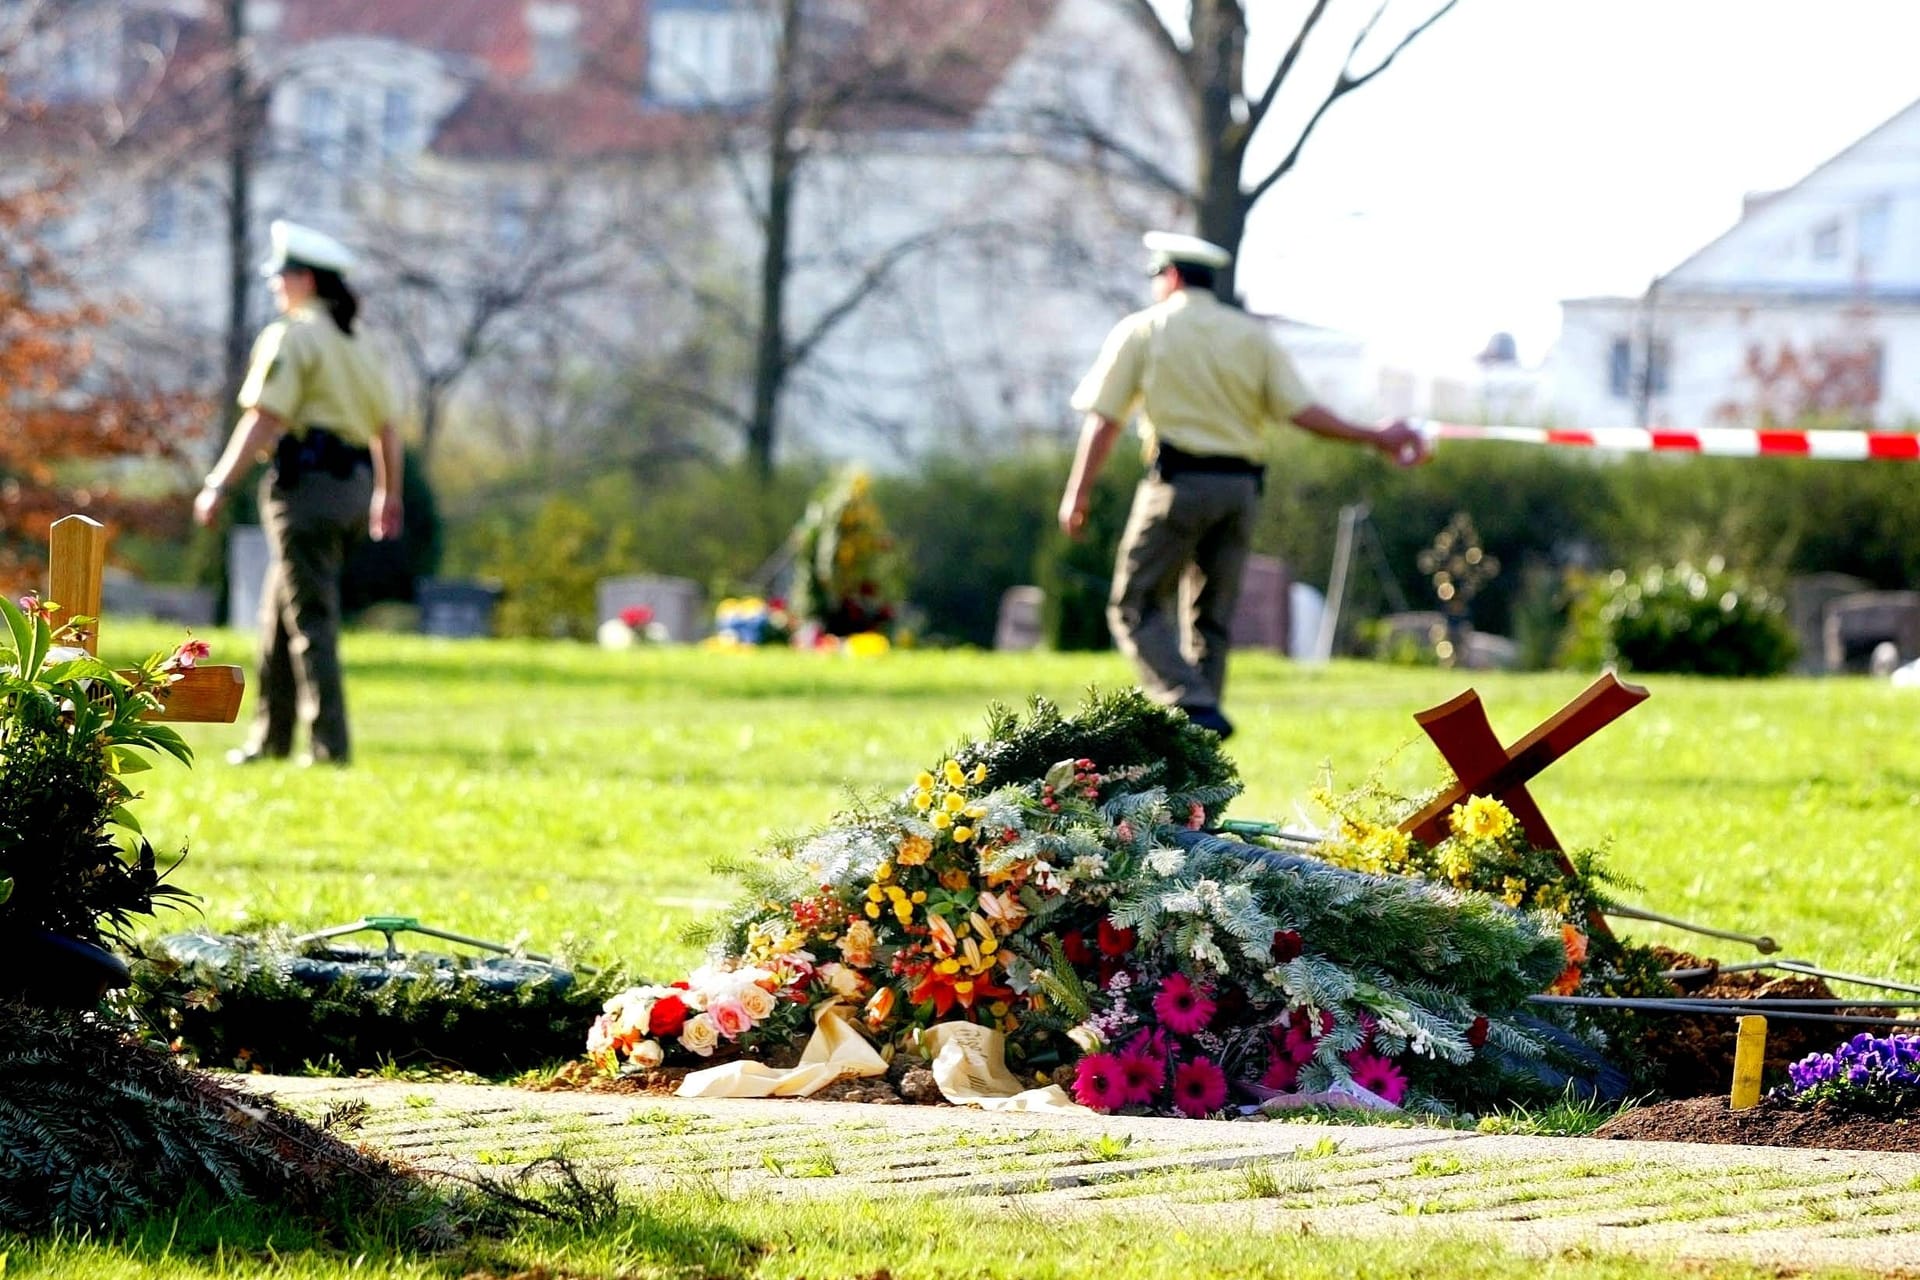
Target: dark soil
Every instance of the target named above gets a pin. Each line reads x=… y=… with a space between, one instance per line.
x=1695 y=1052
x=1771 y=1124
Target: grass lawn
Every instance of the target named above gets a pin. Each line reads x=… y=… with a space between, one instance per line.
x=511 y=789
x=507 y=789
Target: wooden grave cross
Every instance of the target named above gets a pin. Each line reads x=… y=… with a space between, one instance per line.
x=76 y=559
x=1483 y=767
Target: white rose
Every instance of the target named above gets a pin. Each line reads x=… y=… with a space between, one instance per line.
x=647 y=1055
x=699 y=1035
x=757 y=1001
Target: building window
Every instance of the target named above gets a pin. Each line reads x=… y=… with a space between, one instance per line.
x=1826 y=241
x=718 y=55
x=1624 y=368
x=163 y=215
x=396 y=122
x=1870 y=233
x=319 y=122
x=507 y=219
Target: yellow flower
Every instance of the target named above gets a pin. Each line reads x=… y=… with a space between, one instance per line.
x=1480 y=818
x=883 y=872
x=953 y=802
x=962 y=834
x=1390 y=846
x=956 y=777
x=924 y=782
x=873 y=893
x=1513 y=890
x=873 y=911
x=903 y=911
x=949 y=965
x=955 y=879
x=1455 y=862
x=941 y=821
x=919 y=896
x=979 y=774
x=923 y=800
x=914 y=850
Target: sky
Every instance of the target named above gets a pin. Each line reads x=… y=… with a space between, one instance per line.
x=1526 y=151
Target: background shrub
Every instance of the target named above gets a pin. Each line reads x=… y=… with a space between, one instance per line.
x=1681 y=620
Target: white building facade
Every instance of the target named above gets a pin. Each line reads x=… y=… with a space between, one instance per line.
x=590 y=171
x=1806 y=311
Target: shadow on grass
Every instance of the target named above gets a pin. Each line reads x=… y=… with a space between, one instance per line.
x=436 y=1238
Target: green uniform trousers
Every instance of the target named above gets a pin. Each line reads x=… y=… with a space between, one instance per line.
x=310 y=526
x=1177 y=580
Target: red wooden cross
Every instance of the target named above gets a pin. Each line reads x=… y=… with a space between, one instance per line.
x=1483 y=767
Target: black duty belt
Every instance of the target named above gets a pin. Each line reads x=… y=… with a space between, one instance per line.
x=317 y=450
x=1169 y=462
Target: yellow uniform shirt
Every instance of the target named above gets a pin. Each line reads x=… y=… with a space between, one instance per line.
x=1206 y=378
x=307 y=373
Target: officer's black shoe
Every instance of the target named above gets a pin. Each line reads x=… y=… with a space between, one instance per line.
x=1210 y=718
x=253 y=755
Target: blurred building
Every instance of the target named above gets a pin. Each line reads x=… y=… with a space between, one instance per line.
x=1808 y=309
x=555 y=195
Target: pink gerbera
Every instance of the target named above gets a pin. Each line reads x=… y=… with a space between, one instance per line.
x=1282 y=1071
x=1199 y=1088
x=1377 y=1075
x=1100 y=1082
x=1303 y=1036
x=1141 y=1075
x=1182 y=1008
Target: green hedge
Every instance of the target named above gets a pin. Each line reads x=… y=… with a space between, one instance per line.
x=970 y=528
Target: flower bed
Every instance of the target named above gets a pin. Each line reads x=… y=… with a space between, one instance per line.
x=1053 y=882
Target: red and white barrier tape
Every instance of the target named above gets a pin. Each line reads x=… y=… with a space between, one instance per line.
x=1720 y=442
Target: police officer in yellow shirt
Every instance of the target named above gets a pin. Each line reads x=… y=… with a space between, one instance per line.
x=317 y=399
x=1207 y=381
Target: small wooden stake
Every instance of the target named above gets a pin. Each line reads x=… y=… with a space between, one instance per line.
x=1749 y=1052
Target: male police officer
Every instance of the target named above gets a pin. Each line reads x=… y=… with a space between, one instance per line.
x=1207 y=380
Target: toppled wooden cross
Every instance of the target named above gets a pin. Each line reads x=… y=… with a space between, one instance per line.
x=1483 y=767
x=76 y=559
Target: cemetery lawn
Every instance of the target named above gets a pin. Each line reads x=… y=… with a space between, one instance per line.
x=701 y=1232
x=565 y=795
x=571 y=797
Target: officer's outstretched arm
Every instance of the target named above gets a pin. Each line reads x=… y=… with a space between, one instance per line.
x=256 y=430
x=1396 y=439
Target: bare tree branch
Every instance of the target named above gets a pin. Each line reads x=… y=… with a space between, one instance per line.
x=1346 y=84
x=1259 y=110
x=1081 y=127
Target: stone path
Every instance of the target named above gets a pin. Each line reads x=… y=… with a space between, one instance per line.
x=1764 y=1205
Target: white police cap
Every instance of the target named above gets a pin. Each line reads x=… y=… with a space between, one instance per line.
x=1168 y=247
x=297 y=246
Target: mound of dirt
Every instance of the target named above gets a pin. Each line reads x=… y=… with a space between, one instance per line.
x=1696 y=1050
x=1771 y=1124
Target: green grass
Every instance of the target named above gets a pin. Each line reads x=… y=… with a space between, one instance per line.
x=515 y=789
x=696 y=1231
x=555 y=792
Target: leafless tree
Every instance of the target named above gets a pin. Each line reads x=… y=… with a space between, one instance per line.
x=1230 y=106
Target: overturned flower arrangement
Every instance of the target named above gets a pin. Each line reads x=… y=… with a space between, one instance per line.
x=1056 y=883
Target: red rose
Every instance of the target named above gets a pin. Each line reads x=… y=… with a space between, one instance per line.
x=668 y=1017
x=1477 y=1033
x=1075 y=945
x=1114 y=942
x=1286 y=945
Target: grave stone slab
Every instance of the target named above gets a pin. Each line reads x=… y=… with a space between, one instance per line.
x=1807 y=599
x=247 y=557
x=1018 y=627
x=458 y=608
x=1856 y=624
x=1306 y=605
x=1260 y=617
x=678 y=604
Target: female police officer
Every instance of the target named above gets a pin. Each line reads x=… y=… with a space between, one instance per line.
x=319 y=400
